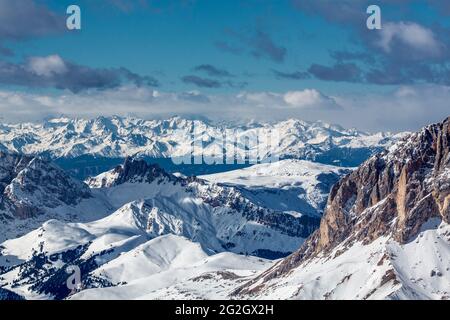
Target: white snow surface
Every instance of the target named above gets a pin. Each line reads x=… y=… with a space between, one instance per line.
x=292 y=185
x=173 y=267
x=128 y=257
x=164 y=262
x=383 y=269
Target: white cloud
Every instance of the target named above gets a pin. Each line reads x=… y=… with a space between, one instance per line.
x=405 y=91
x=306 y=98
x=410 y=35
x=46 y=66
x=407 y=108
x=260 y=98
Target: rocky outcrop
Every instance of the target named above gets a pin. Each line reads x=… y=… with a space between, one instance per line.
x=393 y=194
x=30 y=186
x=132 y=171
x=10 y=166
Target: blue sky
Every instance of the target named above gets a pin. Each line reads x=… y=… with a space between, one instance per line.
x=169 y=44
x=203 y=56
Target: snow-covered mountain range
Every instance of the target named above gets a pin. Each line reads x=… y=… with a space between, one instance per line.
x=139 y=203
x=385 y=235
x=85 y=145
x=138 y=232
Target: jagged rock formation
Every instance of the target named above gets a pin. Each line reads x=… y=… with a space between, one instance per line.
x=10 y=166
x=30 y=185
x=392 y=195
x=132 y=171
x=34 y=190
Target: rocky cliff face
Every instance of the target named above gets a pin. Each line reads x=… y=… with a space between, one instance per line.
x=392 y=194
x=29 y=186
x=10 y=166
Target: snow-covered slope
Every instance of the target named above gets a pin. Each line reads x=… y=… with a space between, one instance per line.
x=385 y=233
x=119 y=255
x=289 y=185
x=168 y=261
x=118 y=137
x=217 y=215
x=152 y=204
x=383 y=269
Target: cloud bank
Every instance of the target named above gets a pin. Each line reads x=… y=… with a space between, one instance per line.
x=408 y=108
x=401 y=53
x=54 y=72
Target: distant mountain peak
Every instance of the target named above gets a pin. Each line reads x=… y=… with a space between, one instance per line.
x=119 y=137
x=133 y=170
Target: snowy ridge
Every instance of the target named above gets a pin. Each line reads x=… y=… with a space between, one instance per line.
x=165 y=262
x=287 y=185
x=207 y=211
x=219 y=216
x=118 y=253
x=118 y=137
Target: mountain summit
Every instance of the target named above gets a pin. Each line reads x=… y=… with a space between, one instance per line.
x=385 y=232
x=132 y=171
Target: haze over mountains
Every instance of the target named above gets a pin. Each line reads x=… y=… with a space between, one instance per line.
x=138 y=231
